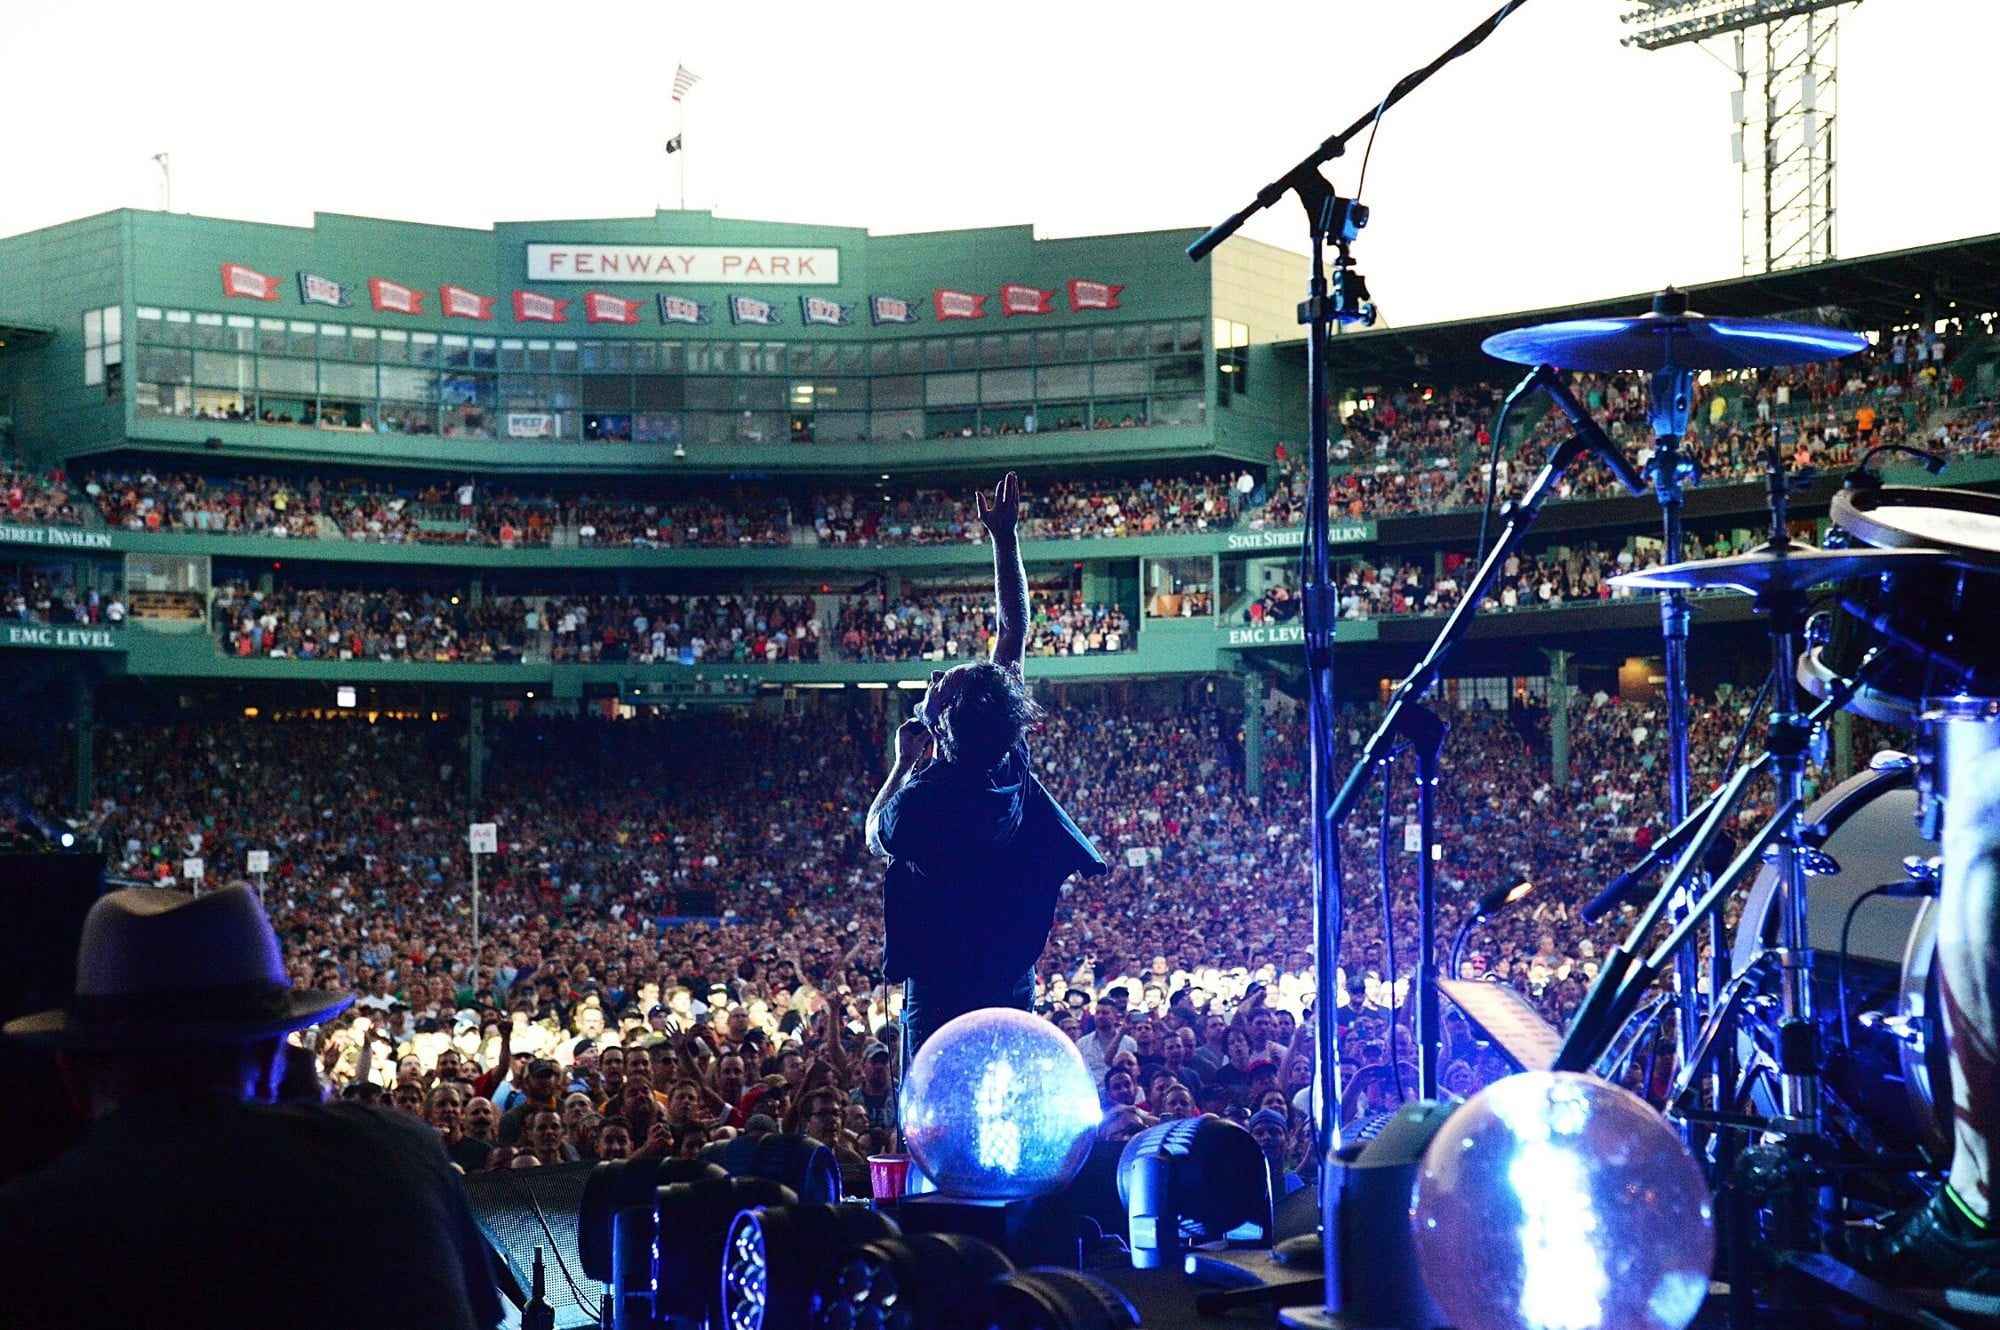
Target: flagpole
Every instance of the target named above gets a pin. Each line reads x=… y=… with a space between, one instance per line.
x=680 y=135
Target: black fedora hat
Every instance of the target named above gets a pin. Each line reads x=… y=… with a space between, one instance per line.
x=155 y=965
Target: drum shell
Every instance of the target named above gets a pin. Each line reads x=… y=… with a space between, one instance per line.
x=1947 y=611
x=1935 y=624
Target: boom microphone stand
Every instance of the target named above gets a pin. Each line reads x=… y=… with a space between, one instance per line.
x=1328 y=217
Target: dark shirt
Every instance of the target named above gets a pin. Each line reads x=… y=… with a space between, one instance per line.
x=469 y=1153
x=976 y=863
x=206 y=1211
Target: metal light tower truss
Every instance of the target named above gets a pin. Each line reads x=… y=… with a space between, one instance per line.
x=1784 y=54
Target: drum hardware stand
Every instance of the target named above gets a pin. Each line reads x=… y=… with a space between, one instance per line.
x=1787 y=740
x=1407 y=719
x=1624 y=973
x=1669 y=404
x=1329 y=217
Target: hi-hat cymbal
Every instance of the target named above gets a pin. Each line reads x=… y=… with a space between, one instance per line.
x=1763 y=569
x=1671 y=337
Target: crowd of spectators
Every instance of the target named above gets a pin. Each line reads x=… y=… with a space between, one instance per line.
x=690 y=629
x=190 y=503
x=36 y=498
x=309 y=623
x=1057 y=510
x=951 y=626
x=1191 y=958
x=29 y=595
x=1560 y=576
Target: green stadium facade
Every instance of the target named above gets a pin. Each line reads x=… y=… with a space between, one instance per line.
x=685 y=349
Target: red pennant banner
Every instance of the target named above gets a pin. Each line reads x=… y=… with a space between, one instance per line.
x=602 y=307
x=460 y=303
x=534 y=307
x=1092 y=295
x=1016 y=299
x=248 y=283
x=959 y=305
x=395 y=298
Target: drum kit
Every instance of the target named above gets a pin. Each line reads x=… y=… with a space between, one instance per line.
x=1811 y=1046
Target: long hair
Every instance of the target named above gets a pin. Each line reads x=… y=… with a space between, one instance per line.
x=988 y=714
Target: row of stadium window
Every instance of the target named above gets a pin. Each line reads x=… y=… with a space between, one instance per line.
x=277 y=371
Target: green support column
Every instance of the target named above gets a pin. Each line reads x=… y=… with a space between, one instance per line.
x=1843 y=745
x=475 y=595
x=1560 y=665
x=892 y=584
x=1253 y=735
x=475 y=753
x=86 y=716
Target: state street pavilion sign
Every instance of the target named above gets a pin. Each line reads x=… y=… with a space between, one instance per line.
x=667 y=264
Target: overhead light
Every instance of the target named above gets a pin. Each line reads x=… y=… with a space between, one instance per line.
x=871 y=685
x=914 y=685
x=344 y=696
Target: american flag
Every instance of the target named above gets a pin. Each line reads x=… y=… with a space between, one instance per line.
x=684 y=78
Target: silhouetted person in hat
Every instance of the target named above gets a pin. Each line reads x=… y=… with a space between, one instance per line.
x=194 y=1200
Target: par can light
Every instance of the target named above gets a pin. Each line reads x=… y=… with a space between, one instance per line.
x=616 y=1186
x=1044 y=1298
x=905 y=1283
x=774 y=1255
x=694 y=1219
x=798 y=1162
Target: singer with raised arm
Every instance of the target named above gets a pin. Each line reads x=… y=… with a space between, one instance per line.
x=977 y=849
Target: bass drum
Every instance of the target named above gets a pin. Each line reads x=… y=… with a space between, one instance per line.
x=1883 y=1078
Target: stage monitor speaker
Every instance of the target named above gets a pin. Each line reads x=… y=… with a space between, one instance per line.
x=519 y=1209
x=45 y=897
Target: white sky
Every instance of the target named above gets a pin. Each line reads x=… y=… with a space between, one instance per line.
x=1551 y=164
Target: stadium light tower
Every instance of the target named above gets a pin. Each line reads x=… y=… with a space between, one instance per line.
x=1784 y=58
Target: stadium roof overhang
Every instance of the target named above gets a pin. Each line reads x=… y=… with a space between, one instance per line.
x=1878 y=291
x=13 y=332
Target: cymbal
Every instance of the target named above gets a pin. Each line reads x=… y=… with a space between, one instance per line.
x=1671 y=337
x=1793 y=568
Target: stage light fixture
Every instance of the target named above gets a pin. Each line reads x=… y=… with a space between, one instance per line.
x=1192 y=1177
x=797 y=1162
x=1554 y=1199
x=616 y=1186
x=1044 y=1298
x=903 y=1283
x=692 y=1220
x=999 y=1106
x=774 y=1255
x=1675 y=22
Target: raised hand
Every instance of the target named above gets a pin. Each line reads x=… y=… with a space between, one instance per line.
x=1003 y=510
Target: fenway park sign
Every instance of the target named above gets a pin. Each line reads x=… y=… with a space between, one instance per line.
x=683 y=263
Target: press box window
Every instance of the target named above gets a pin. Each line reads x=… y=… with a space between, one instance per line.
x=1232 y=360
x=104 y=349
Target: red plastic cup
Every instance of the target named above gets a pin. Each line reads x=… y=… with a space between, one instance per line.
x=887 y=1175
